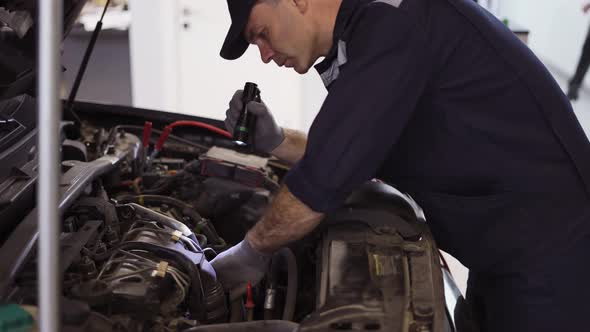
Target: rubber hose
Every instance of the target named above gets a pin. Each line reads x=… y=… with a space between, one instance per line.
x=292 y=280
x=236 y=311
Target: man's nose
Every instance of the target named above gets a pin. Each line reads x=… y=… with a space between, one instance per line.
x=266 y=53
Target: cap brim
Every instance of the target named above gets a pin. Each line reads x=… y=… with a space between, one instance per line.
x=235 y=44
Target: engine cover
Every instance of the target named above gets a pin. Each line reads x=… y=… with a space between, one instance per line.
x=155 y=271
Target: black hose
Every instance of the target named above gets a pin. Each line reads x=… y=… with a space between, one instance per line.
x=236 y=310
x=163 y=186
x=202 y=240
x=292 y=279
x=291 y=297
x=268 y=314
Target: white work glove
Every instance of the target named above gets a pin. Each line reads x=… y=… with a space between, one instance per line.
x=268 y=133
x=240 y=264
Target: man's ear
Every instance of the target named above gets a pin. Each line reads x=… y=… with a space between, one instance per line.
x=302 y=5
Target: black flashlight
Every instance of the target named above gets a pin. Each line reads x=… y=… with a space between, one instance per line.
x=244 y=129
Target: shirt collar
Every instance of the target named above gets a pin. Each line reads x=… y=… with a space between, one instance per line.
x=347 y=8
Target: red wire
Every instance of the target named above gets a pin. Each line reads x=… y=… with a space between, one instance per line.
x=168 y=129
x=201 y=125
x=163 y=138
x=147 y=133
x=249 y=298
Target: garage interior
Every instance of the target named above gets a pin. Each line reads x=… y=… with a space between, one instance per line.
x=152 y=185
x=168 y=77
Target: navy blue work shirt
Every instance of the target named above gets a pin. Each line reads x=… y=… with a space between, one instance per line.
x=441 y=100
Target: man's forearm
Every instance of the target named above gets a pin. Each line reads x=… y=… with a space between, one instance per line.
x=286 y=220
x=292 y=148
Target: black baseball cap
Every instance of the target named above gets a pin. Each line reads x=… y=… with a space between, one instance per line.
x=235 y=43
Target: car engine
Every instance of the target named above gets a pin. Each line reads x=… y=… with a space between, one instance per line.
x=142 y=217
x=138 y=232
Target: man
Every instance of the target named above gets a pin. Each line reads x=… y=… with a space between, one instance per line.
x=583 y=64
x=440 y=99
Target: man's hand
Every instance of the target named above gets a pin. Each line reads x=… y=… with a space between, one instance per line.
x=586 y=8
x=286 y=220
x=268 y=134
x=240 y=264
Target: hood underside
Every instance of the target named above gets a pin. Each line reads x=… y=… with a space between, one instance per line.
x=18 y=49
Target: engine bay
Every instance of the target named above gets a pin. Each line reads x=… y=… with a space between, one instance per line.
x=141 y=221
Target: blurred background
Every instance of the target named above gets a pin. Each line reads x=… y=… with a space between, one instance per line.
x=164 y=55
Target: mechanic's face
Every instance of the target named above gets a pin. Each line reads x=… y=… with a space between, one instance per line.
x=282 y=31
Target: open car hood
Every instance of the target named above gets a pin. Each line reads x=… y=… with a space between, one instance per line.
x=18 y=49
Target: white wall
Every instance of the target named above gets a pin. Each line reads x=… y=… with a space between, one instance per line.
x=178 y=68
x=154 y=25
x=313 y=93
x=558 y=29
x=491 y=5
